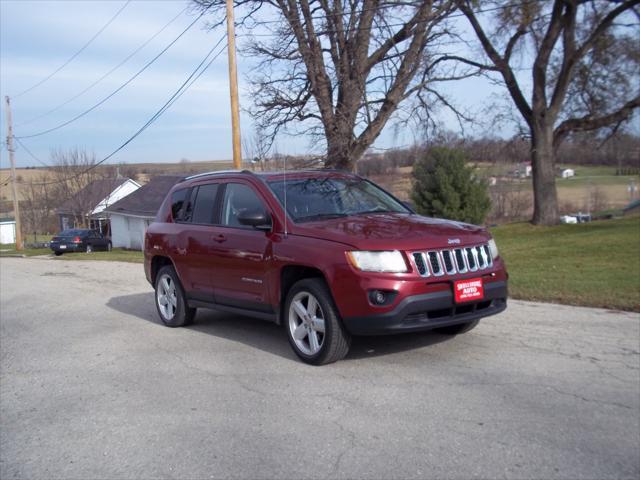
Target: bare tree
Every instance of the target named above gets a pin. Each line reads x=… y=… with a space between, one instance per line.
x=73 y=171
x=341 y=70
x=256 y=148
x=584 y=65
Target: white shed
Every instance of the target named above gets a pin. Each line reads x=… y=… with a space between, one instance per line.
x=7 y=230
x=131 y=216
x=567 y=173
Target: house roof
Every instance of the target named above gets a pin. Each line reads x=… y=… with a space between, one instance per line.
x=146 y=201
x=91 y=195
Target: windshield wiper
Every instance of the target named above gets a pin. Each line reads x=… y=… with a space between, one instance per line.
x=321 y=216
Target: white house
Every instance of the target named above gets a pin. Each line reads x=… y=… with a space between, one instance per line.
x=7 y=230
x=567 y=173
x=88 y=205
x=131 y=216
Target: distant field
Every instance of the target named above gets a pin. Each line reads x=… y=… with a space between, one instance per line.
x=144 y=171
x=594 y=264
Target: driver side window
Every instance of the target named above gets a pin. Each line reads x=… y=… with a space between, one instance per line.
x=238 y=198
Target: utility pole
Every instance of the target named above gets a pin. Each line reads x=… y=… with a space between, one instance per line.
x=14 y=180
x=233 y=87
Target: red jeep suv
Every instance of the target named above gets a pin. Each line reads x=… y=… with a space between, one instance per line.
x=326 y=253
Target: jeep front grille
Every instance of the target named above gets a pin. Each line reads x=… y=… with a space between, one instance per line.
x=450 y=262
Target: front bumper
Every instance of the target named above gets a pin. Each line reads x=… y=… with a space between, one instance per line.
x=430 y=310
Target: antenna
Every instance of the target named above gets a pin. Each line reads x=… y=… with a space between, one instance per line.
x=284 y=179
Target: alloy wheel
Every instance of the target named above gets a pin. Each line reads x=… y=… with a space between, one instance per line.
x=166 y=296
x=306 y=323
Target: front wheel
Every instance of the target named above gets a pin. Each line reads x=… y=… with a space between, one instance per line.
x=109 y=247
x=170 y=299
x=89 y=249
x=313 y=324
x=459 y=328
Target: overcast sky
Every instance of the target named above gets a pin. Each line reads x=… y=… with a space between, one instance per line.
x=37 y=37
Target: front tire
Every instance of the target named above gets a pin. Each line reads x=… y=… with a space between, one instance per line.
x=109 y=247
x=459 y=328
x=171 y=301
x=314 y=328
x=89 y=249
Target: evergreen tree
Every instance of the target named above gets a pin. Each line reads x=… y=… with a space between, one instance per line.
x=445 y=187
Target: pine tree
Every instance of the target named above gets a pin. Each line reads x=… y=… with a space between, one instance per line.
x=445 y=187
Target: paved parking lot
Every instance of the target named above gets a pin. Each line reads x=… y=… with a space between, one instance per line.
x=91 y=386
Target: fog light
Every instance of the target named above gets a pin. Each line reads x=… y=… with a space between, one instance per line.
x=379 y=297
x=382 y=297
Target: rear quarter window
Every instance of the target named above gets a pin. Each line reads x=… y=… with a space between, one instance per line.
x=177 y=203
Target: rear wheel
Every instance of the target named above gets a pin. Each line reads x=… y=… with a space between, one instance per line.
x=170 y=299
x=313 y=325
x=458 y=329
x=58 y=253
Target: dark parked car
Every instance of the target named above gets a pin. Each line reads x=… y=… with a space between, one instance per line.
x=327 y=254
x=79 y=240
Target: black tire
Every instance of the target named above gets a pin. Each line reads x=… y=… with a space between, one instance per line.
x=336 y=340
x=183 y=315
x=109 y=247
x=459 y=328
x=89 y=249
x=57 y=254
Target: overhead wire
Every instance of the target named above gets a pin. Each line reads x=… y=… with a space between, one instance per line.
x=125 y=60
x=138 y=73
x=189 y=81
x=82 y=49
x=30 y=153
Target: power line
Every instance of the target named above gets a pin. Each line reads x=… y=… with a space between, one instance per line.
x=75 y=54
x=30 y=153
x=55 y=109
x=147 y=65
x=190 y=80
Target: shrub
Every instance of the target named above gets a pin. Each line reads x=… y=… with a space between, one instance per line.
x=445 y=187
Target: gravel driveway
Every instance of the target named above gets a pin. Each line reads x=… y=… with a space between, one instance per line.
x=91 y=386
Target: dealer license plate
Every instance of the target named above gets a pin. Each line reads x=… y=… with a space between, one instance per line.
x=468 y=290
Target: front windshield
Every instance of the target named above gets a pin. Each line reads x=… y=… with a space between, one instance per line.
x=321 y=198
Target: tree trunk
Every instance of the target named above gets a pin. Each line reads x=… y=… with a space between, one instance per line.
x=340 y=152
x=545 y=196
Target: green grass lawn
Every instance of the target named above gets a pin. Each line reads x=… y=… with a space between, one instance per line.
x=116 y=255
x=594 y=264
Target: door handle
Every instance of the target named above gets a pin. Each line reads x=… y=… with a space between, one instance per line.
x=219 y=238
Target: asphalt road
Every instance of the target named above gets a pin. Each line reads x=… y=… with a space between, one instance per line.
x=92 y=386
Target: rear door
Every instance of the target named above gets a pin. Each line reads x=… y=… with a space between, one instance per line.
x=242 y=253
x=195 y=251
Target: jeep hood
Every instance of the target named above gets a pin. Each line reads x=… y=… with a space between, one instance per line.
x=394 y=231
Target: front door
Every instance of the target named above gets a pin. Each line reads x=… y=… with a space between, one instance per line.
x=242 y=252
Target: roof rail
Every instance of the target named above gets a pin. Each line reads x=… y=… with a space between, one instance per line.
x=216 y=172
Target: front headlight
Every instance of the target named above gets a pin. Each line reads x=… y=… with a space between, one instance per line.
x=493 y=248
x=390 y=262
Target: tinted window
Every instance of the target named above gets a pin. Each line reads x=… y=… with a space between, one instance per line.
x=203 y=209
x=177 y=202
x=317 y=198
x=238 y=198
x=74 y=233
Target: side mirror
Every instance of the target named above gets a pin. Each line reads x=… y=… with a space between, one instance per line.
x=257 y=219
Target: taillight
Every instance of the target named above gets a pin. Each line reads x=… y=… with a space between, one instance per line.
x=77 y=240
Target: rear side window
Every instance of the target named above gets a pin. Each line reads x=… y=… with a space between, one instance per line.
x=204 y=208
x=177 y=202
